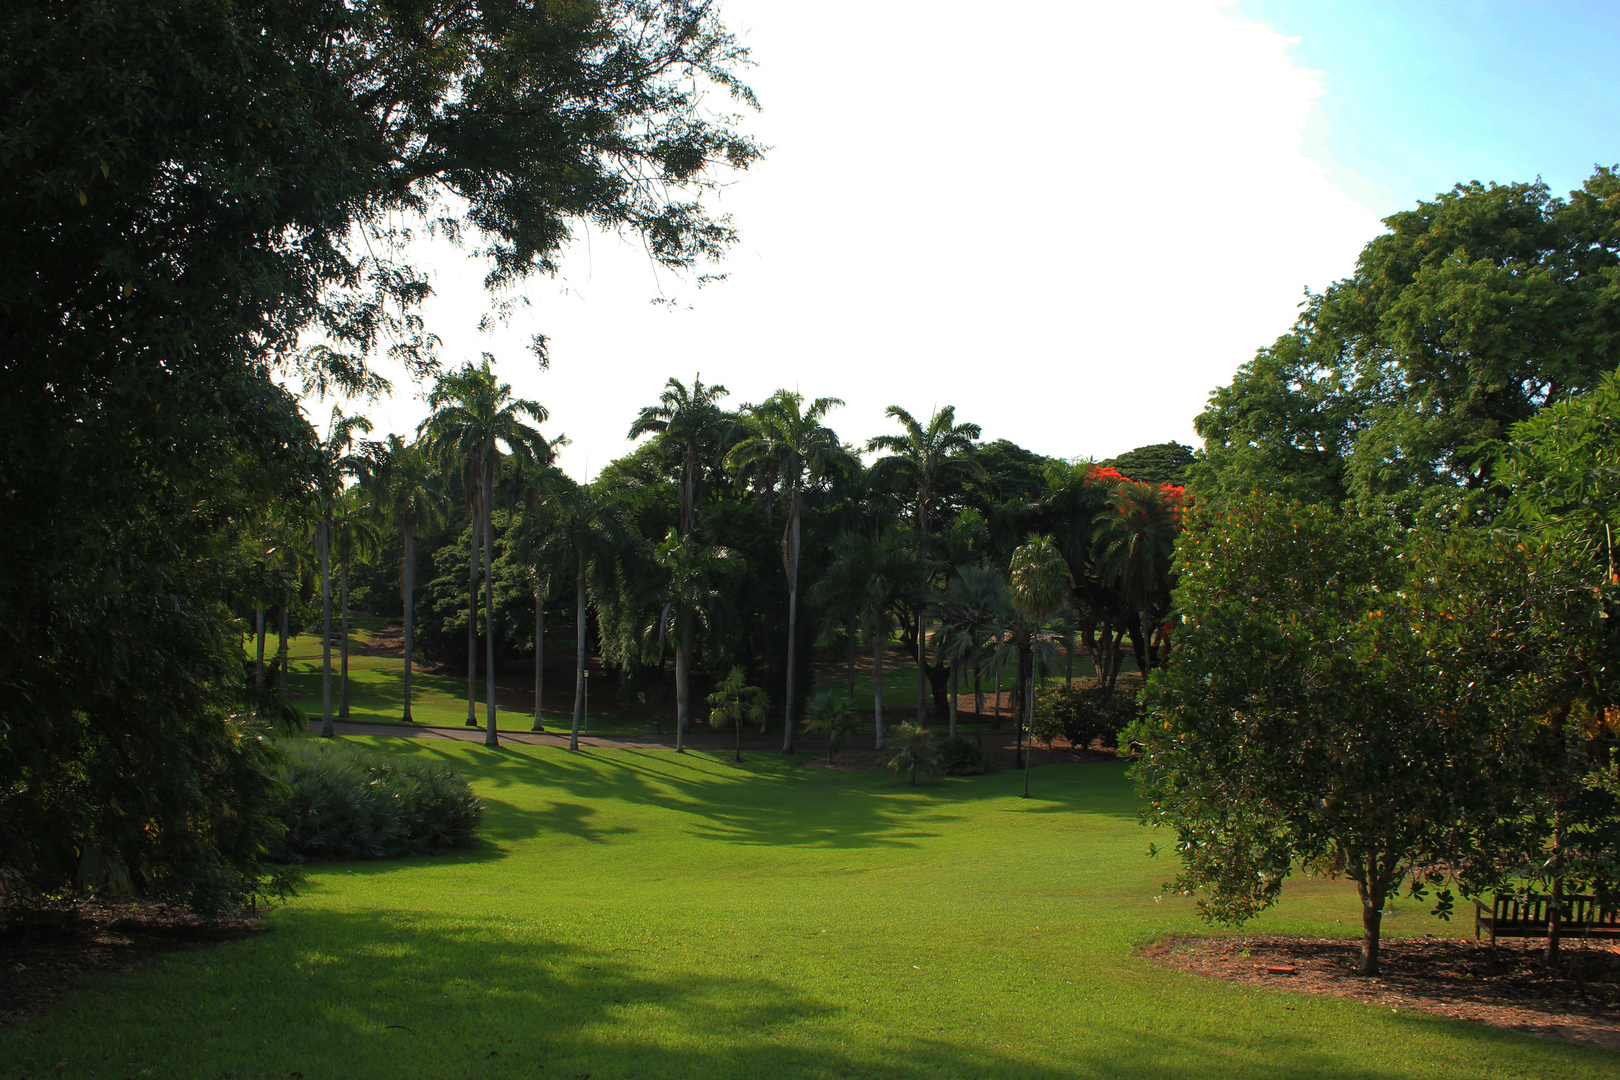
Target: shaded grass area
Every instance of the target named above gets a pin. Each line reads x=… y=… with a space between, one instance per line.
x=639 y=913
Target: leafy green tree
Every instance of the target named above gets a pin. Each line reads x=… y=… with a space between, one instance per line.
x=925 y=460
x=1399 y=385
x=733 y=702
x=1331 y=704
x=1160 y=463
x=798 y=451
x=405 y=485
x=834 y=715
x=475 y=426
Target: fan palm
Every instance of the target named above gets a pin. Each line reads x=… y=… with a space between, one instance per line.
x=925 y=459
x=475 y=426
x=793 y=447
x=405 y=486
x=827 y=712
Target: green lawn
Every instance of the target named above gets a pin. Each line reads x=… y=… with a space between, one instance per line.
x=639 y=914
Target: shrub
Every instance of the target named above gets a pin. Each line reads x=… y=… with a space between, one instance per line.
x=1081 y=714
x=958 y=756
x=913 y=752
x=343 y=802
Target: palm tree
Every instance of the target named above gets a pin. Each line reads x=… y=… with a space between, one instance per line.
x=873 y=570
x=826 y=711
x=335 y=463
x=405 y=487
x=537 y=486
x=1136 y=538
x=793 y=447
x=732 y=703
x=975 y=600
x=693 y=603
x=476 y=424
x=591 y=535
x=354 y=535
x=689 y=423
x=926 y=460
x=1039 y=580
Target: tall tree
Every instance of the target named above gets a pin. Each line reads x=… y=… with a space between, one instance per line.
x=974 y=602
x=694 y=607
x=689 y=425
x=405 y=484
x=337 y=464
x=475 y=426
x=589 y=536
x=925 y=460
x=798 y=451
x=1038 y=588
x=1136 y=540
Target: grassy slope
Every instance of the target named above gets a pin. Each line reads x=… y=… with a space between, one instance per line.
x=643 y=914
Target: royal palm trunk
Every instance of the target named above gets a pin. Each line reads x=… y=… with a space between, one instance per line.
x=408 y=588
x=490 y=737
x=579 y=659
x=472 y=621
x=539 y=651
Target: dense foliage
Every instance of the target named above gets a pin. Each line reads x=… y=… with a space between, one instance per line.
x=186 y=189
x=342 y=802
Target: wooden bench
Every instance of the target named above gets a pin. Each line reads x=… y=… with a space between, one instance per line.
x=1525 y=915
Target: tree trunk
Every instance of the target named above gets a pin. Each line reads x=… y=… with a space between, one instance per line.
x=472 y=620
x=1018 y=709
x=282 y=656
x=849 y=625
x=996 y=725
x=258 y=664
x=579 y=658
x=1139 y=647
x=1027 y=720
x=1372 y=917
x=326 y=628
x=1555 y=896
x=922 y=666
x=955 y=677
x=409 y=591
x=738 y=757
x=795 y=516
x=681 y=704
x=539 y=651
x=343 y=618
x=879 y=645
x=490 y=736
x=978 y=703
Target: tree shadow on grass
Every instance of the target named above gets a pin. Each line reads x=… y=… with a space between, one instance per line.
x=397 y=994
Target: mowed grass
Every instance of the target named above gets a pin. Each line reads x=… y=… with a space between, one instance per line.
x=643 y=914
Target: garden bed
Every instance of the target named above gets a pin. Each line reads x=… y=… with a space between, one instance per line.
x=1507 y=987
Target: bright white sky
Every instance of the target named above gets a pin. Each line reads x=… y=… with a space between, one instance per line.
x=1072 y=220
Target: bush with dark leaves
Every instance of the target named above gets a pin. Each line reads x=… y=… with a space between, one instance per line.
x=345 y=803
x=957 y=756
x=1081 y=714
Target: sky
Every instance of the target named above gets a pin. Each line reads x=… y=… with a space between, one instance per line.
x=1070 y=220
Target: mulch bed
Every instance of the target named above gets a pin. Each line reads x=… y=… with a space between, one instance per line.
x=1508 y=987
x=43 y=953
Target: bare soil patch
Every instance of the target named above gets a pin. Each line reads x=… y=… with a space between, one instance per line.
x=1508 y=986
x=44 y=952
